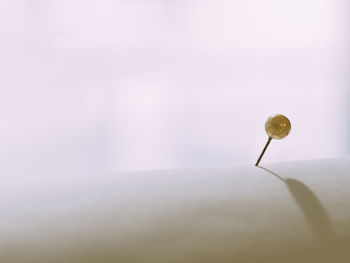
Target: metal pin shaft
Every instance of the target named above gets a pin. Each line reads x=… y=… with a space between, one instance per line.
x=263 y=151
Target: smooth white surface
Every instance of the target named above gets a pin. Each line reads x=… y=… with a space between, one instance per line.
x=296 y=212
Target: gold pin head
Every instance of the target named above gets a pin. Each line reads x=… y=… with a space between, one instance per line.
x=277 y=127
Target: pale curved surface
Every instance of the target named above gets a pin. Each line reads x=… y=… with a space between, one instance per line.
x=285 y=212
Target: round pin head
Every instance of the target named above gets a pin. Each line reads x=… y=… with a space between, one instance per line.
x=277 y=126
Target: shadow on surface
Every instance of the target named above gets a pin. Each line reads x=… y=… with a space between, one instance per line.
x=311 y=207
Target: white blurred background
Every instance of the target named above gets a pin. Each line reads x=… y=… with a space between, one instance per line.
x=108 y=85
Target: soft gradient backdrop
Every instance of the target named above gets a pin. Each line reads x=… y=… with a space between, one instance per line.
x=102 y=85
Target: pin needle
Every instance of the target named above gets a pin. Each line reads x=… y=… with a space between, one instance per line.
x=277 y=127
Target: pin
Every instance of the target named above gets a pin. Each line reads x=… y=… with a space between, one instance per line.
x=277 y=127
